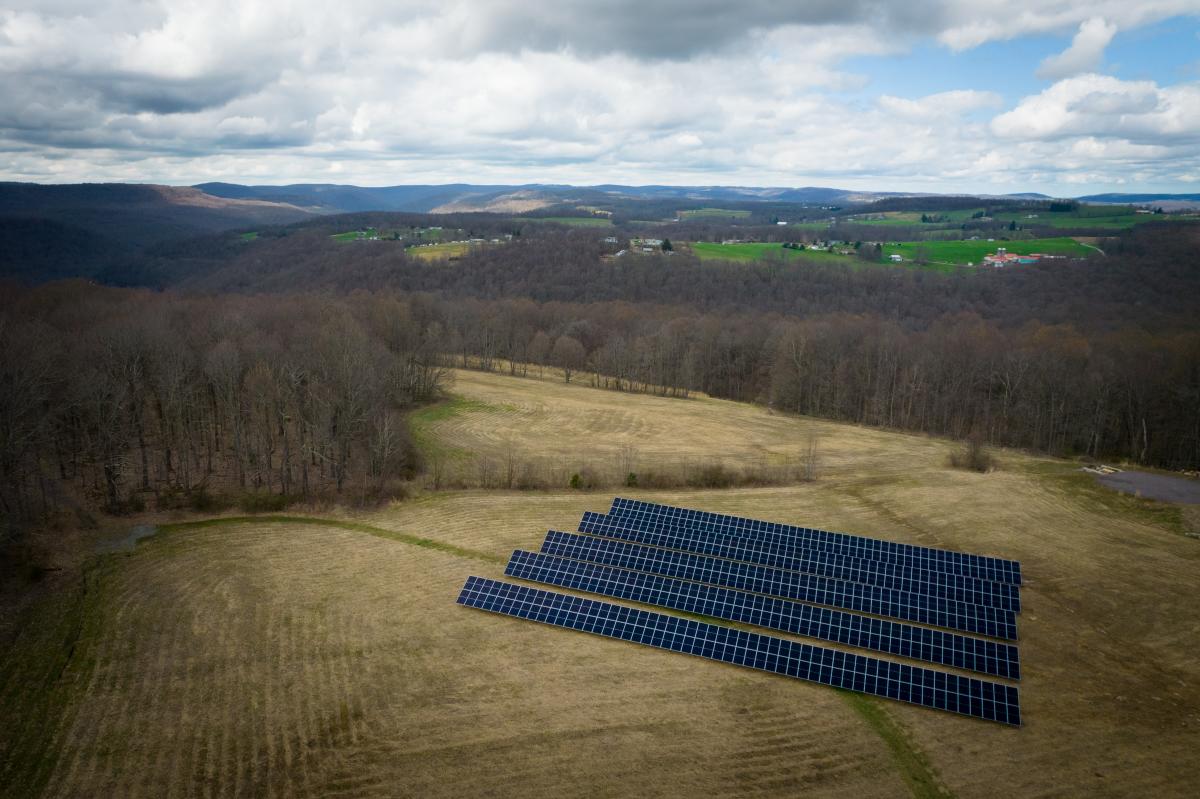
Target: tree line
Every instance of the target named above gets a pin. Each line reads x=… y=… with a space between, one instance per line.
x=110 y=396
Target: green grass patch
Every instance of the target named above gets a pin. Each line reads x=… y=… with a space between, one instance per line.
x=580 y=221
x=758 y=251
x=933 y=219
x=249 y=236
x=714 y=213
x=356 y=235
x=1086 y=216
x=761 y=252
x=963 y=252
x=422 y=420
x=41 y=675
x=916 y=770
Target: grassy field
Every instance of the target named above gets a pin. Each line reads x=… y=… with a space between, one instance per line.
x=408 y=235
x=714 y=213
x=887 y=219
x=355 y=235
x=249 y=236
x=1087 y=216
x=757 y=251
x=286 y=656
x=433 y=252
x=574 y=221
x=962 y=252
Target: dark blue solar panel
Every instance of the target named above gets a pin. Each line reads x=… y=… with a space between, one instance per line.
x=652 y=516
x=778 y=580
x=826 y=564
x=913 y=684
x=919 y=643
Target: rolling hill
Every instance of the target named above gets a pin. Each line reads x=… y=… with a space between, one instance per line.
x=325 y=655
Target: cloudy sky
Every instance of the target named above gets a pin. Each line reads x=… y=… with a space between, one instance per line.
x=1058 y=96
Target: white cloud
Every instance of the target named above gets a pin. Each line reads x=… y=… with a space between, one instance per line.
x=1102 y=106
x=952 y=103
x=963 y=25
x=403 y=91
x=1084 y=54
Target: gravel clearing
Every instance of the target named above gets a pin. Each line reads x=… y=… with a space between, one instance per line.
x=1181 y=490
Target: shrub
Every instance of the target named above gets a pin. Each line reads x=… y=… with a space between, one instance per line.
x=631 y=480
x=204 y=502
x=576 y=481
x=262 y=502
x=973 y=456
x=712 y=475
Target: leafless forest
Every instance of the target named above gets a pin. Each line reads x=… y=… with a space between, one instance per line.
x=115 y=395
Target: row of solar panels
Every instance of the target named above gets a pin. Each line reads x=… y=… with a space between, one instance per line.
x=988 y=568
x=779 y=583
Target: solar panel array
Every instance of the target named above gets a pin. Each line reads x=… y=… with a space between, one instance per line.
x=848 y=590
x=995 y=569
x=919 y=643
x=969 y=696
x=796 y=558
x=787 y=583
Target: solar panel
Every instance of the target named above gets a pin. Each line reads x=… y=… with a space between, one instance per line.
x=649 y=516
x=859 y=546
x=913 y=684
x=777 y=580
x=895 y=638
x=826 y=564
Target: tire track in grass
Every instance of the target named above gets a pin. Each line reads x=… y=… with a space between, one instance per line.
x=358 y=527
x=210 y=762
x=913 y=766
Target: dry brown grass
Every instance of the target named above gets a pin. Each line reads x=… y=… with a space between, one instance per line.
x=567 y=428
x=277 y=659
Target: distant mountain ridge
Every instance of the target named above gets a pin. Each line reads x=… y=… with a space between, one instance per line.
x=458 y=197
x=519 y=198
x=50 y=232
x=1139 y=198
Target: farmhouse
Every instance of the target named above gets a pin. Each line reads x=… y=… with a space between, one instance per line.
x=896 y=258
x=1004 y=258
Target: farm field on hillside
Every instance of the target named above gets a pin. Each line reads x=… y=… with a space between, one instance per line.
x=261 y=657
x=714 y=213
x=431 y=252
x=573 y=221
x=758 y=251
x=963 y=252
x=912 y=218
x=1111 y=217
x=407 y=235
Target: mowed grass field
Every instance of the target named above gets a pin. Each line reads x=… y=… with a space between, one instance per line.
x=433 y=252
x=910 y=218
x=714 y=213
x=758 y=251
x=285 y=656
x=964 y=252
x=1113 y=217
x=573 y=221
